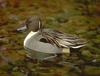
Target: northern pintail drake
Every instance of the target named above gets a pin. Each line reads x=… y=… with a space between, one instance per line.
x=46 y=40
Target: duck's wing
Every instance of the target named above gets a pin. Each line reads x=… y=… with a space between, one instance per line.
x=50 y=37
x=65 y=40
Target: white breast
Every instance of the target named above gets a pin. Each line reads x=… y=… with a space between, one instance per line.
x=29 y=36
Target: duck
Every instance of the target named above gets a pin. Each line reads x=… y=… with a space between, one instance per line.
x=48 y=41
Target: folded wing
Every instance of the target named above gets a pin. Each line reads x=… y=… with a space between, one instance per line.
x=65 y=40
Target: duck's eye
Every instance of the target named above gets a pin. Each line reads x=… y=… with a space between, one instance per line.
x=43 y=40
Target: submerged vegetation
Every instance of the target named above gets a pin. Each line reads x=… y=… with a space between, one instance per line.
x=80 y=17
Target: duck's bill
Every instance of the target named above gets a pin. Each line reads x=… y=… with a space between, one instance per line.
x=23 y=28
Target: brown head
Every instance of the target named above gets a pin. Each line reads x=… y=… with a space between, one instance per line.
x=32 y=23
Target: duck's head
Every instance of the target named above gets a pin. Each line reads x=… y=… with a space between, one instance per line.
x=32 y=23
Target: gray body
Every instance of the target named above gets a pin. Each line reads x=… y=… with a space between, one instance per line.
x=34 y=43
